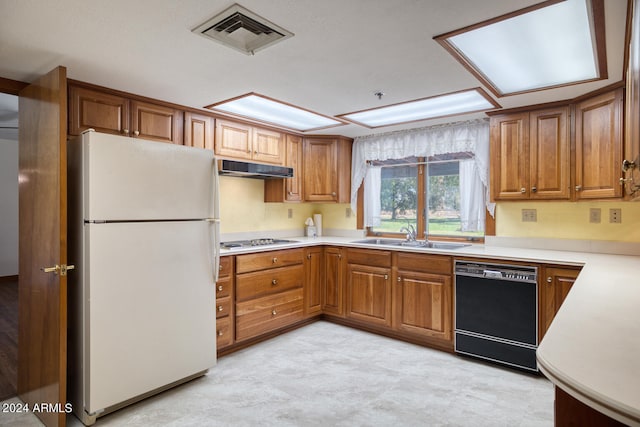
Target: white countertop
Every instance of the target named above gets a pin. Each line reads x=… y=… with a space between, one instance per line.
x=592 y=348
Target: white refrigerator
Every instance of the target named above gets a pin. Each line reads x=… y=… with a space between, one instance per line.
x=143 y=234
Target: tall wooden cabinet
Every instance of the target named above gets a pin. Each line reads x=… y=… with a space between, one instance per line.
x=530 y=155
x=555 y=285
x=327 y=169
x=314 y=277
x=598 y=139
x=632 y=109
x=369 y=286
x=333 y=284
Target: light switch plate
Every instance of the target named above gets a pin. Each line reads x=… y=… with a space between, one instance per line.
x=595 y=215
x=529 y=215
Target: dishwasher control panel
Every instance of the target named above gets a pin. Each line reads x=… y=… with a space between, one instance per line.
x=517 y=273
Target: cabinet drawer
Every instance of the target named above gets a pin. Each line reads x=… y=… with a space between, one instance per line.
x=369 y=257
x=271 y=259
x=224 y=337
x=438 y=264
x=265 y=314
x=223 y=287
x=223 y=307
x=266 y=282
x=226 y=266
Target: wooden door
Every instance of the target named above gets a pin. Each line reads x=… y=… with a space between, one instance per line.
x=157 y=122
x=599 y=147
x=268 y=146
x=42 y=306
x=293 y=186
x=233 y=140
x=549 y=154
x=101 y=111
x=198 y=130
x=632 y=107
x=510 y=156
x=313 y=281
x=333 y=289
x=369 y=294
x=320 y=170
x=553 y=291
x=423 y=304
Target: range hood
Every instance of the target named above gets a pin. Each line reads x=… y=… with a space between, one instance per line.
x=253 y=170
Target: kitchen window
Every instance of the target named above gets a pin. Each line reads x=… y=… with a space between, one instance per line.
x=434 y=180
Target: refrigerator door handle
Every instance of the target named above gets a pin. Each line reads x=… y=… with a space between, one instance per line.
x=216 y=220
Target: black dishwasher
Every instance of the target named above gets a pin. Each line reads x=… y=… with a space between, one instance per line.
x=496 y=313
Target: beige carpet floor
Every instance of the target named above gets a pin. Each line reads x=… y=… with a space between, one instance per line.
x=329 y=375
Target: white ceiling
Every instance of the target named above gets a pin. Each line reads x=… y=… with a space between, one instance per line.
x=342 y=52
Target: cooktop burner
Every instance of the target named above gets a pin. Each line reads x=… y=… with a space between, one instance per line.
x=266 y=241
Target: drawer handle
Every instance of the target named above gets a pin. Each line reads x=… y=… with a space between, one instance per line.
x=273 y=312
x=219 y=333
x=274 y=260
x=220 y=288
x=274 y=282
x=220 y=308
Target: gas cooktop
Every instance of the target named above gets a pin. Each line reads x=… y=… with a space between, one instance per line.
x=254 y=242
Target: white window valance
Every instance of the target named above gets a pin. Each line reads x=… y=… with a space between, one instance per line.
x=470 y=136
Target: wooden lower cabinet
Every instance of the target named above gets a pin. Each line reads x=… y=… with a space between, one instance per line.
x=555 y=285
x=369 y=286
x=333 y=283
x=314 y=277
x=258 y=316
x=224 y=303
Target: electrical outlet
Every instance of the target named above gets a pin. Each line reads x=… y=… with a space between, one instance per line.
x=529 y=215
x=347 y=213
x=595 y=215
x=289 y=213
x=615 y=216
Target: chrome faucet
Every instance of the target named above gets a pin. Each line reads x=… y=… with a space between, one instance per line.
x=411 y=232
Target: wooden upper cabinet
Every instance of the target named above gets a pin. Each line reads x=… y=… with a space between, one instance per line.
x=327 y=169
x=246 y=142
x=288 y=189
x=92 y=109
x=509 y=135
x=599 y=146
x=157 y=122
x=198 y=130
x=549 y=154
x=530 y=152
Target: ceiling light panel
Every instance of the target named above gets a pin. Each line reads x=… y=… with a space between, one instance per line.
x=451 y=104
x=533 y=49
x=261 y=108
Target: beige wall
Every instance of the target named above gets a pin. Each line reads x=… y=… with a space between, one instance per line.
x=566 y=220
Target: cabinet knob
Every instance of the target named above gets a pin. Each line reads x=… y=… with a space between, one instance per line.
x=274 y=260
x=220 y=308
x=308 y=256
x=220 y=267
x=386 y=277
x=136 y=132
x=220 y=288
x=534 y=189
x=273 y=312
x=578 y=187
x=399 y=279
x=549 y=279
x=290 y=193
x=523 y=190
x=274 y=282
x=219 y=333
x=125 y=131
x=333 y=193
x=339 y=256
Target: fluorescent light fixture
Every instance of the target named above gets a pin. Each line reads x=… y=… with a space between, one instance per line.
x=547 y=45
x=451 y=104
x=263 y=109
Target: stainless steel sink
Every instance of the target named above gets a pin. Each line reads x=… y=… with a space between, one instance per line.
x=413 y=243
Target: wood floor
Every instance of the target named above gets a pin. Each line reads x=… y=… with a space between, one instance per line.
x=8 y=337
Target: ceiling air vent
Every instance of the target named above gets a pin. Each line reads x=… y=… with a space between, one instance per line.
x=242 y=30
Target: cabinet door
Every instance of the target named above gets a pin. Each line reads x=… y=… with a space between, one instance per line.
x=369 y=294
x=510 y=156
x=313 y=265
x=320 y=170
x=332 y=289
x=293 y=186
x=198 y=130
x=101 y=111
x=632 y=109
x=599 y=147
x=554 y=289
x=268 y=146
x=423 y=304
x=233 y=140
x=157 y=122
x=549 y=154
